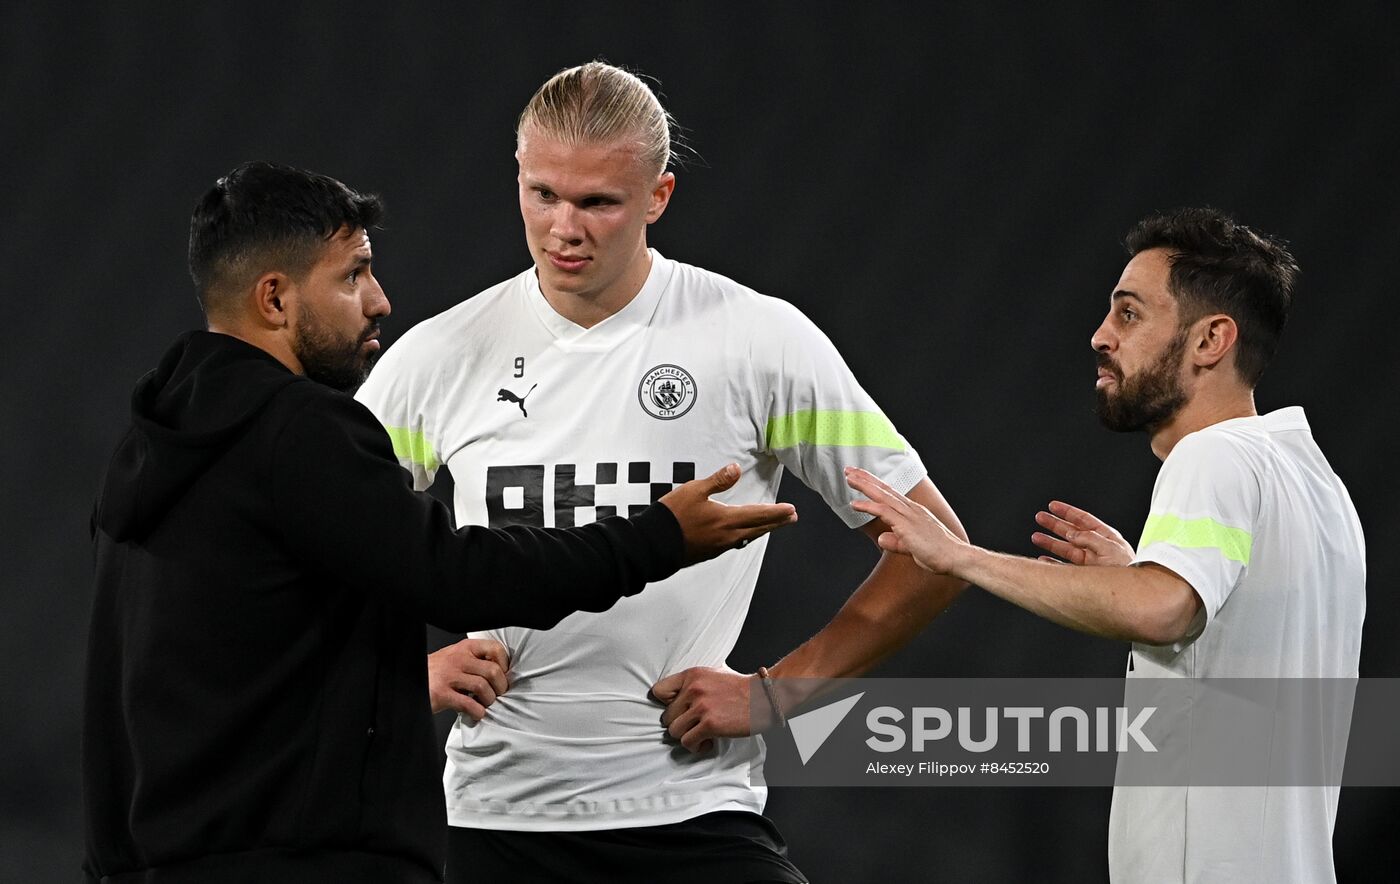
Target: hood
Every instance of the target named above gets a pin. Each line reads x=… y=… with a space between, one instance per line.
x=198 y=401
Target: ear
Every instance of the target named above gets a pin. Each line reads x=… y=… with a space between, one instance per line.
x=1215 y=338
x=271 y=295
x=661 y=195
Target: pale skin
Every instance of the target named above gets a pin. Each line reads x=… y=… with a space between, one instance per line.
x=587 y=202
x=586 y=209
x=1098 y=592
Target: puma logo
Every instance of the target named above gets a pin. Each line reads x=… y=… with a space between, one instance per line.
x=504 y=395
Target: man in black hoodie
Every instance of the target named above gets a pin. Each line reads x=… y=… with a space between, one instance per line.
x=256 y=702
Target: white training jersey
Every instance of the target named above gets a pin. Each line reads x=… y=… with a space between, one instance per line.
x=543 y=422
x=1249 y=513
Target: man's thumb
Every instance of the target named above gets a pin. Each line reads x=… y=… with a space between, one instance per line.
x=724 y=478
x=667 y=688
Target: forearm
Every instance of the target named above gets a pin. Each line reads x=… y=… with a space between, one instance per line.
x=885 y=612
x=535 y=577
x=889 y=608
x=350 y=514
x=1127 y=603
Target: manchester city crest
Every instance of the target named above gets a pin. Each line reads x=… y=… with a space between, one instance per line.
x=667 y=392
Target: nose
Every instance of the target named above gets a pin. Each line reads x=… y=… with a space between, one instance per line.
x=1102 y=339
x=564 y=224
x=376 y=302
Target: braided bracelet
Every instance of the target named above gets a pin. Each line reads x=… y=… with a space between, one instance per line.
x=772 y=696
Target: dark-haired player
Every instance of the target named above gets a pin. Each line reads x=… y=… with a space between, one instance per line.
x=1252 y=561
x=254 y=706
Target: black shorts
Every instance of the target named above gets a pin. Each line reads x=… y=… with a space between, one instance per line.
x=725 y=847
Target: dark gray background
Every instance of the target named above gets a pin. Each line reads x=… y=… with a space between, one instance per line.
x=942 y=192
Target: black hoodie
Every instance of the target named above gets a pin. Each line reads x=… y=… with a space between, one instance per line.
x=256 y=703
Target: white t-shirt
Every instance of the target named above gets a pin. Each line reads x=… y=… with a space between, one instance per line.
x=544 y=422
x=1249 y=513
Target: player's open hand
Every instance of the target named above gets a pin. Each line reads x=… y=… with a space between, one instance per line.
x=1079 y=537
x=468 y=676
x=913 y=530
x=711 y=527
x=704 y=703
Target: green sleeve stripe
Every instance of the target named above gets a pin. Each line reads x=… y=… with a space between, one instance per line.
x=414 y=447
x=1233 y=543
x=841 y=429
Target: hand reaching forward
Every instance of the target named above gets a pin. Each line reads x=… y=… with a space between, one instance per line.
x=914 y=531
x=704 y=703
x=1084 y=539
x=468 y=676
x=710 y=527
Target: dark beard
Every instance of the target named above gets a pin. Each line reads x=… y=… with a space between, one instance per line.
x=1150 y=398
x=331 y=360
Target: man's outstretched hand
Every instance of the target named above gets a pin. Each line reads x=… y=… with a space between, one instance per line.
x=913 y=530
x=711 y=527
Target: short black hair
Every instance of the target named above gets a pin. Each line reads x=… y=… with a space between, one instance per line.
x=265 y=216
x=1221 y=266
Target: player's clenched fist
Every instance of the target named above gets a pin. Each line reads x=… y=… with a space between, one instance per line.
x=703 y=703
x=468 y=676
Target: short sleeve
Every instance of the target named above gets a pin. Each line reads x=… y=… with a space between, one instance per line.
x=1204 y=510
x=819 y=420
x=399 y=392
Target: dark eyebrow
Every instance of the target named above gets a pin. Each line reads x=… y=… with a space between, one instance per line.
x=361 y=260
x=1124 y=293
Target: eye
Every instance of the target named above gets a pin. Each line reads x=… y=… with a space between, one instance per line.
x=545 y=194
x=354 y=276
x=1128 y=314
